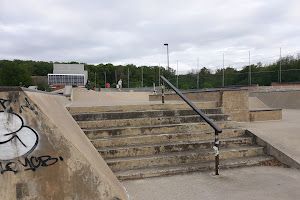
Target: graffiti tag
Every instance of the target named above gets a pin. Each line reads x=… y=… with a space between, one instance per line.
x=32 y=163
x=16 y=139
x=29 y=106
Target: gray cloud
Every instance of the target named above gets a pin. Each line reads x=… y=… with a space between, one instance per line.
x=134 y=31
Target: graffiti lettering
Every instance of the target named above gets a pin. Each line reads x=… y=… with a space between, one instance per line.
x=32 y=163
x=9 y=167
x=29 y=106
x=2 y=102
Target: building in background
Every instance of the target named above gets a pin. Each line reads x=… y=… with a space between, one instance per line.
x=67 y=74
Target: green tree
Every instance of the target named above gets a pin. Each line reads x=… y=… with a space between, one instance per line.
x=12 y=74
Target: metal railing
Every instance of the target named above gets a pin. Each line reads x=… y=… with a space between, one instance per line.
x=199 y=112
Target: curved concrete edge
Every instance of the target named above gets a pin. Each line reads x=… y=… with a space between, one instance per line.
x=273 y=151
x=63 y=164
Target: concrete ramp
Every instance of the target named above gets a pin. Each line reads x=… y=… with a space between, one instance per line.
x=255 y=103
x=83 y=97
x=279 y=99
x=45 y=155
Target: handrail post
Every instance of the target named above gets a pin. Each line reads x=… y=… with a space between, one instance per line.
x=162 y=92
x=216 y=148
x=209 y=121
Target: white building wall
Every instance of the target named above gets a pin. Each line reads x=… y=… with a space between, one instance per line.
x=68 y=68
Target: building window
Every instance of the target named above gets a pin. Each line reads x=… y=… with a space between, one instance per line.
x=66 y=79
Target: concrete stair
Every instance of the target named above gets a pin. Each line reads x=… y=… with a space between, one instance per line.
x=153 y=140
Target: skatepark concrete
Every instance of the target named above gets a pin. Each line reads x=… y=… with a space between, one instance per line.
x=283 y=134
x=259 y=182
x=249 y=183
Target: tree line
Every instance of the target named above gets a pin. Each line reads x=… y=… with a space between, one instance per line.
x=19 y=73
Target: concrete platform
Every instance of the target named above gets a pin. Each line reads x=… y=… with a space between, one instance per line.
x=259 y=182
x=283 y=134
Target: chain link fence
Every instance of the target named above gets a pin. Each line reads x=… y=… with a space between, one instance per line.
x=265 y=78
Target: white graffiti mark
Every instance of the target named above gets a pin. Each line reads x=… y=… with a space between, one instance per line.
x=16 y=139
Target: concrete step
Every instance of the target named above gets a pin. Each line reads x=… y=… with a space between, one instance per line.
x=168 y=147
x=150 y=121
x=141 y=114
x=154 y=129
x=164 y=137
x=194 y=167
x=153 y=106
x=176 y=158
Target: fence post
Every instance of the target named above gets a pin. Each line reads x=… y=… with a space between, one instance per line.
x=162 y=92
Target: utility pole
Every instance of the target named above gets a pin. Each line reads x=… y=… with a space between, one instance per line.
x=280 y=67
x=142 y=78
x=223 y=72
x=105 y=79
x=95 y=80
x=128 y=77
x=158 y=74
x=249 y=70
x=197 y=73
x=177 y=75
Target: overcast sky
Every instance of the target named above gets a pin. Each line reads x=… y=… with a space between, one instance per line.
x=134 y=31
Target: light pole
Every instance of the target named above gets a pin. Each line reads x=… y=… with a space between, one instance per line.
x=95 y=81
x=104 y=79
x=249 y=70
x=166 y=44
x=177 y=75
x=197 y=73
x=280 y=67
x=223 y=82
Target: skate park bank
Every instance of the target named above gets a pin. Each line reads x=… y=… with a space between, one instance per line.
x=44 y=153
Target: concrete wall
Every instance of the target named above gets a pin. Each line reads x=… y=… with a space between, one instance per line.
x=234 y=102
x=83 y=95
x=264 y=115
x=279 y=99
x=45 y=155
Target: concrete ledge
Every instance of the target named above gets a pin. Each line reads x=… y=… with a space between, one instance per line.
x=235 y=102
x=273 y=151
x=265 y=114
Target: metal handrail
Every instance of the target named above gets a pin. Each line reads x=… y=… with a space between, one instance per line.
x=199 y=112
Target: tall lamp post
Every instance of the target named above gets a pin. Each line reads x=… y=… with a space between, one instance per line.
x=166 y=44
x=162 y=85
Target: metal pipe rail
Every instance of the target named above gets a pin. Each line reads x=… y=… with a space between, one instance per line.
x=199 y=112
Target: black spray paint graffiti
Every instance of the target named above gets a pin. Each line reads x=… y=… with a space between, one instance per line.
x=32 y=163
x=19 y=140
x=2 y=103
x=16 y=139
x=29 y=106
